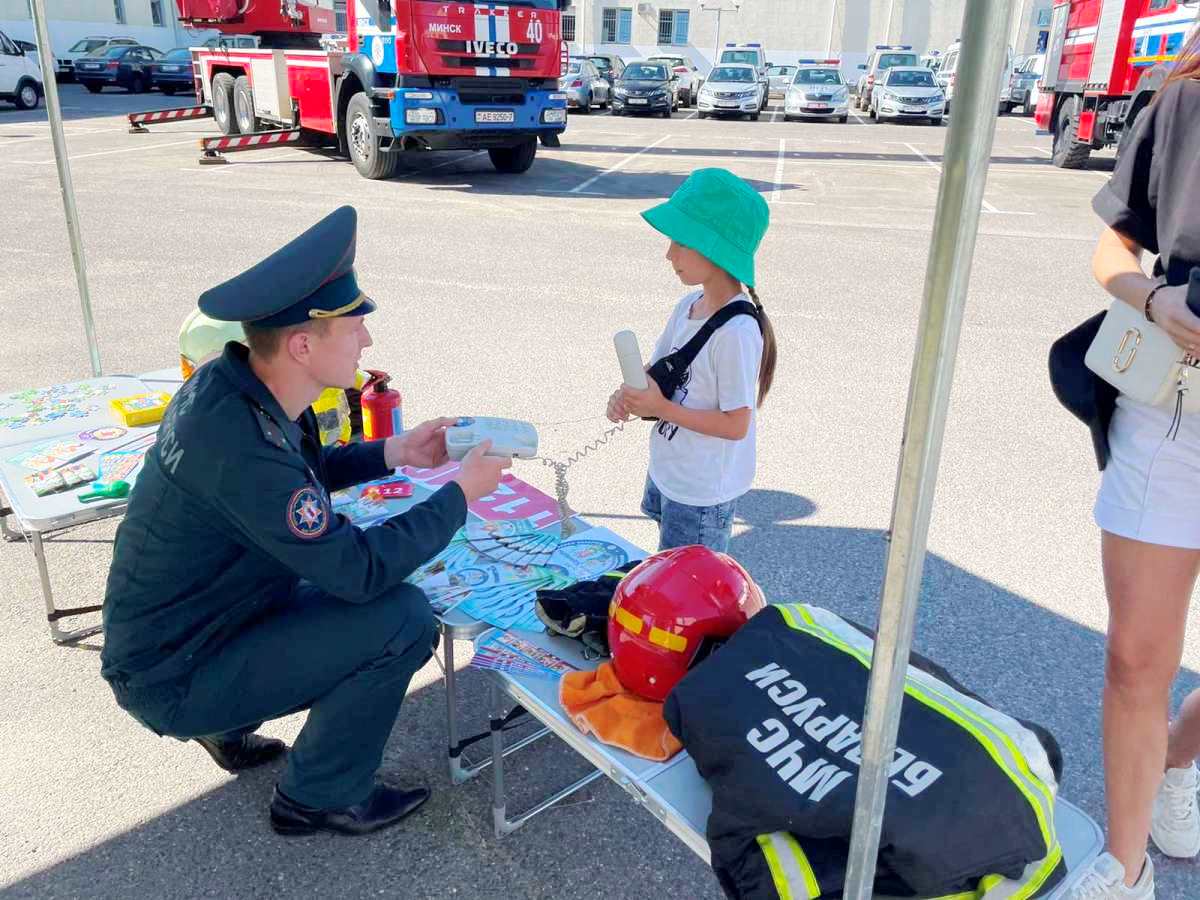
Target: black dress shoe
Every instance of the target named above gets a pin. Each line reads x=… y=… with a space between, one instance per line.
x=248 y=751
x=383 y=807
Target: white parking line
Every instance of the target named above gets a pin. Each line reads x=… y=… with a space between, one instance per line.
x=986 y=206
x=779 y=170
x=928 y=161
x=50 y=162
x=691 y=115
x=858 y=118
x=775 y=116
x=1038 y=149
x=619 y=164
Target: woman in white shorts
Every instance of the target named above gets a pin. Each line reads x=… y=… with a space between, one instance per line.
x=1149 y=503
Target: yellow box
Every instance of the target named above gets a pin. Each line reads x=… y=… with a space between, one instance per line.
x=140 y=409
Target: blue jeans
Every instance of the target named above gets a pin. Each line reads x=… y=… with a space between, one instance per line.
x=680 y=525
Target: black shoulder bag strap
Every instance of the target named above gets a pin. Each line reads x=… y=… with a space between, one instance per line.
x=668 y=372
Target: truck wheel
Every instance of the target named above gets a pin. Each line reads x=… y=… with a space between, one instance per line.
x=243 y=106
x=222 y=101
x=363 y=141
x=26 y=96
x=514 y=160
x=1068 y=152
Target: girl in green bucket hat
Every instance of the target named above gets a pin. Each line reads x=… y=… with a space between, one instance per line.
x=702 y=446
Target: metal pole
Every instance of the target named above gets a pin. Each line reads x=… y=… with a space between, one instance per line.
x=887 y=38
x=964 y=174
x=54 y=111
x=717 y=43
x=832 y=19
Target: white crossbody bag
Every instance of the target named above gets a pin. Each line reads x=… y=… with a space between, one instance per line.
x=1140 y=360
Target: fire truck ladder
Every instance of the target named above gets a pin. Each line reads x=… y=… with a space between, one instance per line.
x=139 y=121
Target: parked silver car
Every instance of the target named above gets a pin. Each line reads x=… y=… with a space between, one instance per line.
x=1023 y=87
x=908 y=92
x=690 y=77
x=584 y=86
x=779 y=79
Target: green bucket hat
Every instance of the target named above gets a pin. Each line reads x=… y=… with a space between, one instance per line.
x=719 y=216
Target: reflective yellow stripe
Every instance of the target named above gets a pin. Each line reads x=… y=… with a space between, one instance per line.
x=810 y=626
x=790 y=869
x=670 y=640
x=776 y=866
x=811 y=887
x=628 y=620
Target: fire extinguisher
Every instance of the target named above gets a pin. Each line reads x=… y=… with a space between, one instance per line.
x=381 y=407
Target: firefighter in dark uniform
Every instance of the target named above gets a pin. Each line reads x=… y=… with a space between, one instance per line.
x=236 y=595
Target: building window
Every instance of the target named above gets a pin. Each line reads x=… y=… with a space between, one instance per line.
x=119 y=11
x=1043 y=17
x=568 y=28
x=340 y=24
x=156 y=12
x=673 y=26
x=616 y=25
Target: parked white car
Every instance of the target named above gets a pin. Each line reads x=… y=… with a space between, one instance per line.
x=20 y=77
x=947 y=76
x=778 y=79
x=908 y=92
x=817 y=91
x=733 y=90
x=64 y=64
x=690 y=77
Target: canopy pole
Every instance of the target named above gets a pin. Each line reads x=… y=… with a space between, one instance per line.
x=964 y=174
x=54 y=112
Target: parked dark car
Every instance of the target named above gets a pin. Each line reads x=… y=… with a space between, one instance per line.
x=127 y=67
x=646 y=87
x=173 y=72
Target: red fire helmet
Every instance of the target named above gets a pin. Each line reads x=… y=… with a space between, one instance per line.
x=666 y=609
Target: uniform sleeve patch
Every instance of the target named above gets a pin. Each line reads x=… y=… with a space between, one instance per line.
x=307 y=516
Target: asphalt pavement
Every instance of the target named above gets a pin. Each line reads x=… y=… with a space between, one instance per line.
x=499 y=295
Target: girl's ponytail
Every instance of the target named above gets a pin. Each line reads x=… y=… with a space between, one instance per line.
x=766 y=371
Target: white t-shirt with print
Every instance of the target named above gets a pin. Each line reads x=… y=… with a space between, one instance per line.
x=698 y=469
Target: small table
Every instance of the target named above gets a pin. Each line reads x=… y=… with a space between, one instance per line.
x=35 y=517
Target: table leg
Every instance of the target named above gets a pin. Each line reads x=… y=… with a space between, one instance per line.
x=496 y=722
x=454 y=751
x=502 y=824
x=58 y=635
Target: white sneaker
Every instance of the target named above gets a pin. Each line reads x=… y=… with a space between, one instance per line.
x=1175 y=827
x=1105 y=880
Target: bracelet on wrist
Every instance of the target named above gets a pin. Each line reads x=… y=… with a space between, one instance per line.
x=1148 y=306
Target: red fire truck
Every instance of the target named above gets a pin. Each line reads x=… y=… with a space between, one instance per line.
x=1105 y=60
x=413 y=75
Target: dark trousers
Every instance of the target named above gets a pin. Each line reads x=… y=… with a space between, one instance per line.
x=348 y=664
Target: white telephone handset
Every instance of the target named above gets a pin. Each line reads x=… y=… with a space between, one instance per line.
x=509 y=437
x=630 y=358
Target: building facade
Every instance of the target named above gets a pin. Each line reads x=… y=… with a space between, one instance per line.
x=151 y=22
x=789 y=29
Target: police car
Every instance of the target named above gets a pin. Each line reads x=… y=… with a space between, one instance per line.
x=733 y=90
x=817 y=90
